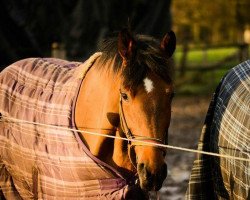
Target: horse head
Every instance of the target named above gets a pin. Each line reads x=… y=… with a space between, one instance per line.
x=128 y=93
x=146 y=92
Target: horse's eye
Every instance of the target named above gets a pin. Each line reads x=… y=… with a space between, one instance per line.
x=124 y=96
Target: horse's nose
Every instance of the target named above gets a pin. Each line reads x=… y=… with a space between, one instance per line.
x=151 y=180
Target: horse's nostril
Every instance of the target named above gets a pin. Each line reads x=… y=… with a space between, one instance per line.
x=145 y=173
x=141 y=166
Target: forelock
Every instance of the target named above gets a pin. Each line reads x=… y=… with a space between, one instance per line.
x=148 y=58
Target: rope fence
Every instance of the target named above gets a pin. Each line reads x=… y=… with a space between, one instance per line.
x=146 y=143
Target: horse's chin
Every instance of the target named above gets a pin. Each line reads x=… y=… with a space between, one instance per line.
x=151 y=185
x=152 y=182
x=145 y=186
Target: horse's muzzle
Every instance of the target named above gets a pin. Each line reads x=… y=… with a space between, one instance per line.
x=151 y=181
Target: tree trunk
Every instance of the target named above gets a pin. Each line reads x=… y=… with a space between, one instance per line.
x=183 y=62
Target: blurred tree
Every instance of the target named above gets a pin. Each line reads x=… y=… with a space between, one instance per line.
x=222 y=20
x=205 y=23
x=28 y=28
x=85 y=30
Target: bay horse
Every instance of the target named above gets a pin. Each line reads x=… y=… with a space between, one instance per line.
x=126 y=92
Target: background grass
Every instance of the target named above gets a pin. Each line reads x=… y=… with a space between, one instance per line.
x=196 y=56
x=197 y=81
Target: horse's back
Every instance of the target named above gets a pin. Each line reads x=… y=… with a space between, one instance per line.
x=226 y=131
x=30 y=91
x=34 y=86
x=39 y=161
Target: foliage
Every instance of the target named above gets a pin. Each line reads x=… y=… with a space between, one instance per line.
x=199 y=81
x=28 y=28
x=210 y=21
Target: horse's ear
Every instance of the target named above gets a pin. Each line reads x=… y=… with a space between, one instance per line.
x=168 y=43
x=126 y=44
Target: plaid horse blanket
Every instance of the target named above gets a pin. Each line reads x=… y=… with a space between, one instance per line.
x=226 y=131
x=38 y=162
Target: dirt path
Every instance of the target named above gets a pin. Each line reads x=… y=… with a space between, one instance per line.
x=188 y=114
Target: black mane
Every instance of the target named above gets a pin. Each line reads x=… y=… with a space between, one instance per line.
x=148 y=57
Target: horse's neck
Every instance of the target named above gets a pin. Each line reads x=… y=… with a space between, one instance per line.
x=97 y=111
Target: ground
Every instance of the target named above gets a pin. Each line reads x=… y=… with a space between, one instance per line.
x=188 y=114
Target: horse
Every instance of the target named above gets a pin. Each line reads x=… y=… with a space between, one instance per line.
x=51 y=107
x=226 y=131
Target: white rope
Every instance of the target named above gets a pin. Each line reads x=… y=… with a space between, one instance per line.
x=146 y=143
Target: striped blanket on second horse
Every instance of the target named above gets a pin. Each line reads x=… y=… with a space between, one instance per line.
x=38 y=162
x=226 y=131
